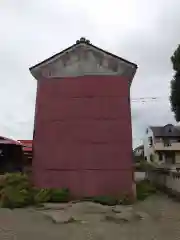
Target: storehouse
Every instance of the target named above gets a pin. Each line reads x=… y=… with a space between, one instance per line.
x=82 y=131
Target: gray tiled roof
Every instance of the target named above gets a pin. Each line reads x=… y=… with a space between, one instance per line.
x=165 y=131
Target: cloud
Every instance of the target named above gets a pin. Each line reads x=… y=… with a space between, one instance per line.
x=143 y=31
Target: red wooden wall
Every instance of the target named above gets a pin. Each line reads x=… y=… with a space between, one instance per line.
x=83 y=137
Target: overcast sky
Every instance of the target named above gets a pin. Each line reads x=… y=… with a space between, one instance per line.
x=143 y=31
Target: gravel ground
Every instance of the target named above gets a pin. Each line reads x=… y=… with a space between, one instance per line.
x=162 y=221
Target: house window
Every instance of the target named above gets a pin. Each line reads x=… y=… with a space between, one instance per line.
x=167 y=143
x=160 y=156
x=151 y=158
x=158 y=140
x=170 y=157
x=150 y=141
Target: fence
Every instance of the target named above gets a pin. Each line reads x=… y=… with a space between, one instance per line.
x=166 y=179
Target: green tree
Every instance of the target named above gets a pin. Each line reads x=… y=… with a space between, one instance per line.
x=175 y=84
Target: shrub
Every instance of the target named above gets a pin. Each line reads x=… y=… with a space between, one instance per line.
x=105 y=200
x=110 y=200
x=13 y=197
x=15 y=179
x=126 y=200
x=144 y=189
x=41 y=195
x=2 y=181
x=59 y=195
x=15 y=190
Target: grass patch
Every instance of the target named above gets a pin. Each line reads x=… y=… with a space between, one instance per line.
x=16 y=190
x=109 y=200
x=144 y=189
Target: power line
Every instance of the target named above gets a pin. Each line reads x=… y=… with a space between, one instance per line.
x=150 y=99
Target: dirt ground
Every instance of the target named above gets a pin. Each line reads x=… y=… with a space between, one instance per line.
x=161 y=221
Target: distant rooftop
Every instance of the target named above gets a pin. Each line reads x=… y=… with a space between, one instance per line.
x=168 y=130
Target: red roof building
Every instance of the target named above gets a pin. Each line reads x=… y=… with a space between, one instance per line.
x=27 y=144
x=11 y=155
x=27 y=148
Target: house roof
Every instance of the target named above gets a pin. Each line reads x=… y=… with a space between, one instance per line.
x=27 y=145
x=168 y=130
x=79 y=42
x=4 y=140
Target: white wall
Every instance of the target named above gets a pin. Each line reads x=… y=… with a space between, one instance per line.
x=148 y=150
x=171 y=180
x=139 y=176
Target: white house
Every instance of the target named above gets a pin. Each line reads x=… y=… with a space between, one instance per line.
x=162 y=145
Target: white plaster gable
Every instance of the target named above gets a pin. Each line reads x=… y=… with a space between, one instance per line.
x=83 y=59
